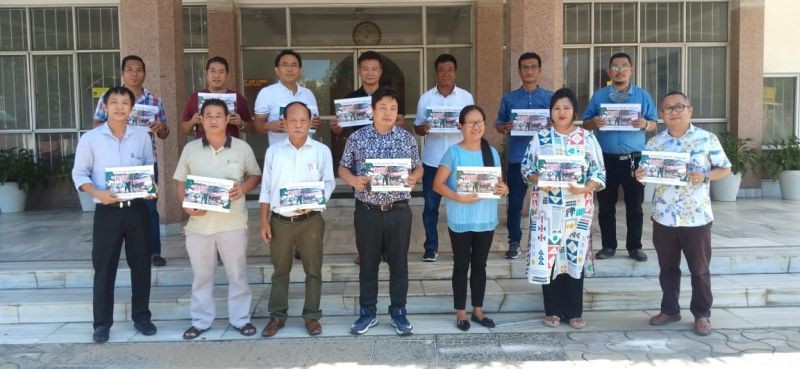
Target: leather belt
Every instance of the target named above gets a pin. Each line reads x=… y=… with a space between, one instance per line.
x=385 y=207
x=297 y=218
x=121 y=204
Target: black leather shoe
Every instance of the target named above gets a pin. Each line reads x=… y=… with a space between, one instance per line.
x=463 y=325
x=146 y=327
x=637 y=255
x=486 y=322
x=605 y=253
x=100 y=334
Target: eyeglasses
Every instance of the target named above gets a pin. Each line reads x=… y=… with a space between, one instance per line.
x=475 y=123
x=675 y=108
x=289 y=66
x=617 y=68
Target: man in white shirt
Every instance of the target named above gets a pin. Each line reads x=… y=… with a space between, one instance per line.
x=445 y=93
x=270 y=100
x=293 y=160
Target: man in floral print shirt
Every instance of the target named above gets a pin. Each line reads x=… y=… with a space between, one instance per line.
x=682 y=216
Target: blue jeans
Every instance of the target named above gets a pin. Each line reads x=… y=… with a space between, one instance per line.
x=516 y=196
x=430 y=215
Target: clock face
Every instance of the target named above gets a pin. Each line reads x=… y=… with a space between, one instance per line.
x=366 y=33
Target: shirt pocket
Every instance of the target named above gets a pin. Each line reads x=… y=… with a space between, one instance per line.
x=233 y=170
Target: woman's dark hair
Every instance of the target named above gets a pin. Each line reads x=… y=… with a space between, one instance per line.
x=562 y=93
x=119 y=90
x=385 y=92
x=217 y=59
x=214 y=102
x=486 y=150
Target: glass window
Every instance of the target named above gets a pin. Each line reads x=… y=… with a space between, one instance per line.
x=662 y=22
x=576 y=75
x=463 y=56
x=14 y=33
x=53 y=147
x=661 y=71
x=601 y=59
x=707 y=22
x=577 y=23
x=384 y=26
x=52 y=82
x=14 y=92
x=707 y=85
x=51 y=28
x=194 y=68
x=21 y=140
x=780 y=108
x=98 y=28
x=263 y=27
x=449 y=25
x=614 y=23
x=96 y=73
x=195 y=27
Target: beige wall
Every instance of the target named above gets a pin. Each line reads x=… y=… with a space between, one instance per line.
x=781 y=33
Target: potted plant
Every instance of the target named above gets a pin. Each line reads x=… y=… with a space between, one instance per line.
x=18 y=172
x=783 y=162
x=743 y=158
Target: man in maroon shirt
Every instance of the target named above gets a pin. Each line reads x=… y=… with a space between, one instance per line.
x=216 y=80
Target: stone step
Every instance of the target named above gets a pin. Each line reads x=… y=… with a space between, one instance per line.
x=340 y=268
x=424 y=297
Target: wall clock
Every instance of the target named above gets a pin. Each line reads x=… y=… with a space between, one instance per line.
x=366 y=33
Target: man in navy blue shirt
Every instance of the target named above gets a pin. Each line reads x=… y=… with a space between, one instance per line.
x=621 y=153
x=529 y=96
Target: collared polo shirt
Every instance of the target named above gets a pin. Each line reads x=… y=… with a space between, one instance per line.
x=285 y=164
x=271 y=98
x=687 y=206
x=368 y=143
x=621 y=142
x=232 y=130
x=235 y=161
x=437 y=143
x=99 y=149
x=521 y=98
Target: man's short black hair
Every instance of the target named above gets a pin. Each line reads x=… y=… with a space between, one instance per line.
x=385 y=92
x=119 y=90
x=620 y=55
x=128 y=58
x=214 y=102
x=217 y=59
x=293 y=103
x=369 y=55
x=285 y=52
x=678 y=93
x=529 y=55
x=444 y=58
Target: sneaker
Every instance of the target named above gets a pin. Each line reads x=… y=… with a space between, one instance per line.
x=365 y=321
x=638 y=255
x=158 y=261
x=430 y=255
x=513 y=250
x=400 y=322
x=604 y=254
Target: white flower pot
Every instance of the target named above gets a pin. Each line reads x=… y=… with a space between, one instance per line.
x=726 y=188
x=789 y=181
x=12 y=199
x=87 y=201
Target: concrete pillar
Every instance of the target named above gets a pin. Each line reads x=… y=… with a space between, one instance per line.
x=222 y=36
x=488 y=66
x=538 y=26
x=747 y=75
x=153 y=29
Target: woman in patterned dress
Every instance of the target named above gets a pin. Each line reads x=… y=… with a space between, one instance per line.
x=561 y=212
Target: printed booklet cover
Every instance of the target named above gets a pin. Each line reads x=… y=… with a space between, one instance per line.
x=128 y=183
x=354 y=112
x=528 y=121
x=143 y=115
x=670 y=168
x=205 y=193
x=620 y=117
x=229 y=99
x=302 y=196
x=443 y=119
x=388 y=175
x=561 y=170
x=477 y=180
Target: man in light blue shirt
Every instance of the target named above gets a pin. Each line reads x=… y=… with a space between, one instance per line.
x=445 y=93
x=528 y=96
x=621 y=153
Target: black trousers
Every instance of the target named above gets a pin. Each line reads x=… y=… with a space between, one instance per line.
x=382 y=233
x=469 y=249
x=695 y=242
x=112 y=226
x=618 y=173
x=563 y=297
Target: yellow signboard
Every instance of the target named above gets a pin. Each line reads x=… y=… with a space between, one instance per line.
x=97 y=92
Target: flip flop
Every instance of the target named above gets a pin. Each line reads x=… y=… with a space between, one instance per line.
x=247 y=329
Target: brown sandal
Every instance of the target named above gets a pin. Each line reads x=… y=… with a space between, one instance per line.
x=247 y=330
x=192 y=333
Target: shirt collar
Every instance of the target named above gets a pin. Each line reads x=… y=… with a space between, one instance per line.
x=688 y=132
x=522 y=88
x=283 y=87
x=227 y=144
x=436 y=91
x=105 y=129
x=145 y=95
x=288 y=142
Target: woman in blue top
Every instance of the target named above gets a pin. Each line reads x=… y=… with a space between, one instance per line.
x=470 y=219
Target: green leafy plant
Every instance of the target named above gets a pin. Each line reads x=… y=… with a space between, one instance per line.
x=18 y=165
x=62 y=170
x=782 y=155
x=743 y=157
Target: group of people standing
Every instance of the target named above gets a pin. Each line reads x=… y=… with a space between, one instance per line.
x=560 y=218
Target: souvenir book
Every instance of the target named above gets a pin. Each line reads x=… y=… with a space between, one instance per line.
x=129 y=183
x=561 y=171
x=620 y=117
x=228 y=99
x=443 y=119
x=670 y=168
x=477 y=180
x=353 y=112
x=205 y=193
x=528 y=121
x=303 y=196
x=388 y=175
